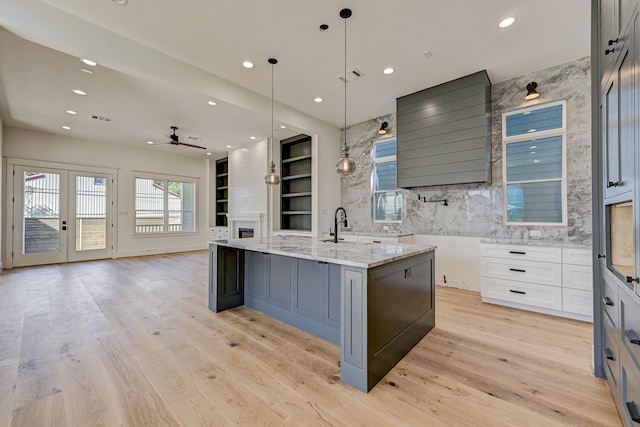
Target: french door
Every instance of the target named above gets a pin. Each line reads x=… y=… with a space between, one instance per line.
x=60 y=215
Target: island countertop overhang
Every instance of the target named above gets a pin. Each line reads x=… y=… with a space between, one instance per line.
x=354 y=254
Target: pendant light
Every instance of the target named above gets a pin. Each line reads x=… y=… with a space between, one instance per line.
x=345 y=165
x=272 y=178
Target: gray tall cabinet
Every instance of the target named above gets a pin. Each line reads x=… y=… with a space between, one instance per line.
x=616 y=193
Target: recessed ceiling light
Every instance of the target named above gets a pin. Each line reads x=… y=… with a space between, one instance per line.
x=87 y=71
x=65 y=127
x=79 y=92
x=150 y=142
x=228 y=146
x=212 y=103
x=252 y=137
x=89 y=62
x=73 y=113
x=283 y=127
x=318 y=99
x=388 y=70
x=507 y=22
x=120 y=2
x=208 y=154
x=247 y=64
x=427 y=54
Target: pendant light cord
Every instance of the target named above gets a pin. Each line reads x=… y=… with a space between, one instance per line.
x=273 y=165
x=345 y=84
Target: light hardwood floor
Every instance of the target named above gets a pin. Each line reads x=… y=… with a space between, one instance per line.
x=131 y=342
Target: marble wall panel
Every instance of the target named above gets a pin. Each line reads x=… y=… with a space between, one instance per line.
x=476 y=210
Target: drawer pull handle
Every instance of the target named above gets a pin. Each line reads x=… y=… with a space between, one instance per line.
x=607 y=301
x=377 y=241
x=518 y=270
x=631 y=336
x=608 y=354
x=517 y=292
x=632 y=408
x=633 y=279
x=608 y=51
x=613 y=184
x=517 y=252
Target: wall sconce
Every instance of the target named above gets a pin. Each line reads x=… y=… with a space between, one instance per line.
x=531 y=91
x=383 y=128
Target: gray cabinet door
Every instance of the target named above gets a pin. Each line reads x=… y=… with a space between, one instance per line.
x=309 y=289
x=618 y=105
x=256 y=270
x=279 y=287
x=229 y=278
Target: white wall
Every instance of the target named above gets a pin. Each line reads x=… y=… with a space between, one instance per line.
x=457 y=258
x=247 y=190
x=32 y=145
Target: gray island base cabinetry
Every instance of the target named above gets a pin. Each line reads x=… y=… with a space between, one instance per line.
x=375 y=300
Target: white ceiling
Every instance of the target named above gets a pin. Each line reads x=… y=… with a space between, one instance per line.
x=216 y=36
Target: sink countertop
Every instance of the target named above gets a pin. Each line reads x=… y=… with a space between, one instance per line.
x=363 y=255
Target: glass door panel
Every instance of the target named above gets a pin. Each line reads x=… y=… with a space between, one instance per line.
x=90 y=236
x=39 y=216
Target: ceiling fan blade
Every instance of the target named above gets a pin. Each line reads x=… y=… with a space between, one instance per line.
x=189 y=145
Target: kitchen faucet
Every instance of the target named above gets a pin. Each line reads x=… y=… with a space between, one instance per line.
x=336 y=222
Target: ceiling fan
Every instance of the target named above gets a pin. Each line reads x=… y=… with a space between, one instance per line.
x=176 y=141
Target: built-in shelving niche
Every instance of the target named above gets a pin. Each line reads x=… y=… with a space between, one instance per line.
x=295 y=201
x=222 y=192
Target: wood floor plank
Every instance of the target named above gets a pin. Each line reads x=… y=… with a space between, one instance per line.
x=131 y=342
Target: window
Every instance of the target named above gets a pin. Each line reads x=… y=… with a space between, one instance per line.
x=534 y=167
x=387 y=199
x=164 y=205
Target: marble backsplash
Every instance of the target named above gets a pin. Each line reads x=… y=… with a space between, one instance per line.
x=476 y=210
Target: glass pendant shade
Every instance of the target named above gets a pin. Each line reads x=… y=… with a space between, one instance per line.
x=346 y=165
x=272 y=178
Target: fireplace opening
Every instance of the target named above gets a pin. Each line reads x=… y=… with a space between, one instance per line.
x=244 y=233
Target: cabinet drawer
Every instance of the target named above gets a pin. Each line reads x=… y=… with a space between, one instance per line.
x=522 y=271
x=577 y=301
x=521 y=252
x=522 y=293
x=610 y=298
x=611 y=329
x=576 y=256
x=577 y=277
x=610 y=356
x=630 y=390
x=630 y=327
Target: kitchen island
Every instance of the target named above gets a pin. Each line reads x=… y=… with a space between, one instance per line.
x=375 y=300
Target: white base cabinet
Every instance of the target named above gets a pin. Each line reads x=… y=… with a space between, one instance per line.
x=551 y=280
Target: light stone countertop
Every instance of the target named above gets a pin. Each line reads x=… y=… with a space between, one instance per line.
x=532 y=242
x=354 y=254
